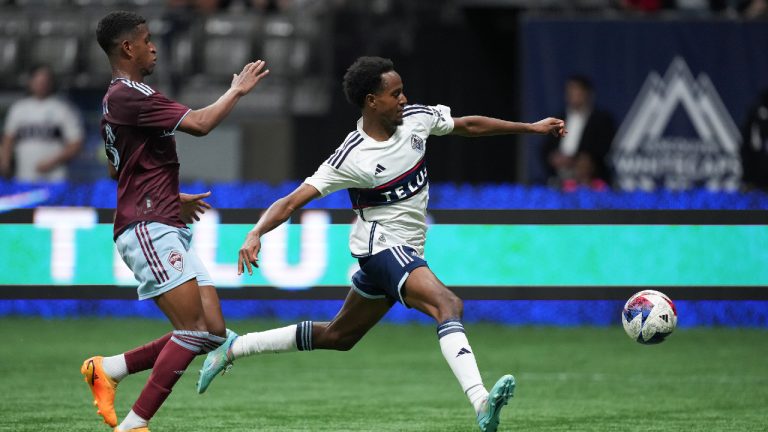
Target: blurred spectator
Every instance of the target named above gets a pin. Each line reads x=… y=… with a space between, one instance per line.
x=641 y=5
x=202 y=7
x=754 y=147
x=755 y=9
x=579 y=158
x=209 y=7
x=271 y=6
x=42 y=133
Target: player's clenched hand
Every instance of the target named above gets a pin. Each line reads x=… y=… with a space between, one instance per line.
x=249 y=253
x=251 y=74
x=192 y=206
x=550 y=125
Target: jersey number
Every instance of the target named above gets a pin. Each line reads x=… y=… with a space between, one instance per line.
x=109 y=146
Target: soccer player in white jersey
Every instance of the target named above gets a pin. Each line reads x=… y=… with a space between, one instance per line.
x=381 y=164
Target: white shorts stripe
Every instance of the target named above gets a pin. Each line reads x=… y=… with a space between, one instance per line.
x=397 y=257
x=407 y=259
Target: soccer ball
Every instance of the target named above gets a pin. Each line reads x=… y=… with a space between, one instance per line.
x=649 y=317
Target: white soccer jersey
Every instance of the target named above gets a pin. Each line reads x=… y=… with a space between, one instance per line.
x=386 y=180
x=41 y=128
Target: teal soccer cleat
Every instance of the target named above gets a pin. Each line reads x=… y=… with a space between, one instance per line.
x=216 y=361
x=502 y=391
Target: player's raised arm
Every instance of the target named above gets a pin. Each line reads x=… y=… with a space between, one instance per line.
x=473 y=126
x=200 y=122
x=275 y=215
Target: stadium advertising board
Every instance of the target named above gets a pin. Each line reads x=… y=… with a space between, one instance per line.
x=73 y=246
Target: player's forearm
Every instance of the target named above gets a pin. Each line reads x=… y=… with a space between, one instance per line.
x=474 y=126
x=276 y=215
x=202 y=121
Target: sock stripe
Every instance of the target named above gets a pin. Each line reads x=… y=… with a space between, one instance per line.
x=448 y=327
x=213 y=342
x=191 y=340
x=308 y=335
x=304 y=336
x=466 y=392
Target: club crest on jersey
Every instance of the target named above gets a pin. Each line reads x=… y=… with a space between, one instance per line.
x=417 y=143
x=176 y=260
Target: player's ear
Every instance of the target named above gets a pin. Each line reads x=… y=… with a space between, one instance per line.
x=126 y=48
x=370 y=100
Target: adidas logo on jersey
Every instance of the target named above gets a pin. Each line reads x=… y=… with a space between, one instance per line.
x=379 y=169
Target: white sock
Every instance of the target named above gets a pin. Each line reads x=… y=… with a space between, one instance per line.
x=458 y=354
x=115 y=367
x=270 y=341
x=132 y=421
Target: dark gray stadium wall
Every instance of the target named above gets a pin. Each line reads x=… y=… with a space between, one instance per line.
x=467 y=61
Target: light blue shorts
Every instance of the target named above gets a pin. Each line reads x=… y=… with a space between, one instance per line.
x=160 y=257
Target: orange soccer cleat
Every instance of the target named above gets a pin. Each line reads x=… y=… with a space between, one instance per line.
x=103 y=388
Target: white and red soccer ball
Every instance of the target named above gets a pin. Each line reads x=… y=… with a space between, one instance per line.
x=649 y=317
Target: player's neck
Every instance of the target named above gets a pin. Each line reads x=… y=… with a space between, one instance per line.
x=378 y=130
x=120 y=71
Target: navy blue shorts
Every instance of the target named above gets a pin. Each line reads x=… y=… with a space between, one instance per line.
x=383 y=275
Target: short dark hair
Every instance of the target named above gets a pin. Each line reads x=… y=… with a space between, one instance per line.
x=583 y=81
x=364 y=78
x=47 y=68
x=115 y=25
x=41 y=66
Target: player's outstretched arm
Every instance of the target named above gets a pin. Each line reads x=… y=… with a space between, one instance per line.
x=200 y=122
x=192 y=206
x=473 y=126
x=275 y=215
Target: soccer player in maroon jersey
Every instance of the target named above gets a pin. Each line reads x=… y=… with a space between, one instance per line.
x=138 y=128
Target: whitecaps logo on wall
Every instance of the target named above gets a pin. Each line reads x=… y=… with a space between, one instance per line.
x=650 y=152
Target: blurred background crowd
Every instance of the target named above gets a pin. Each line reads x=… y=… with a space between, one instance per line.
x=477 y=56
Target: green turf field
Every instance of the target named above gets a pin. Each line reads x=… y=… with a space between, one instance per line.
x=569 y=379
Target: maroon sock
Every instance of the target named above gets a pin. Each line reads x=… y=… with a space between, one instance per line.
x=143 y=358
x=173 y=360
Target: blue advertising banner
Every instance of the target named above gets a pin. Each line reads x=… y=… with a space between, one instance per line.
x=678 y=90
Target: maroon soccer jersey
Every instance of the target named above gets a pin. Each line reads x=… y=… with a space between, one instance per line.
x=137 y=126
